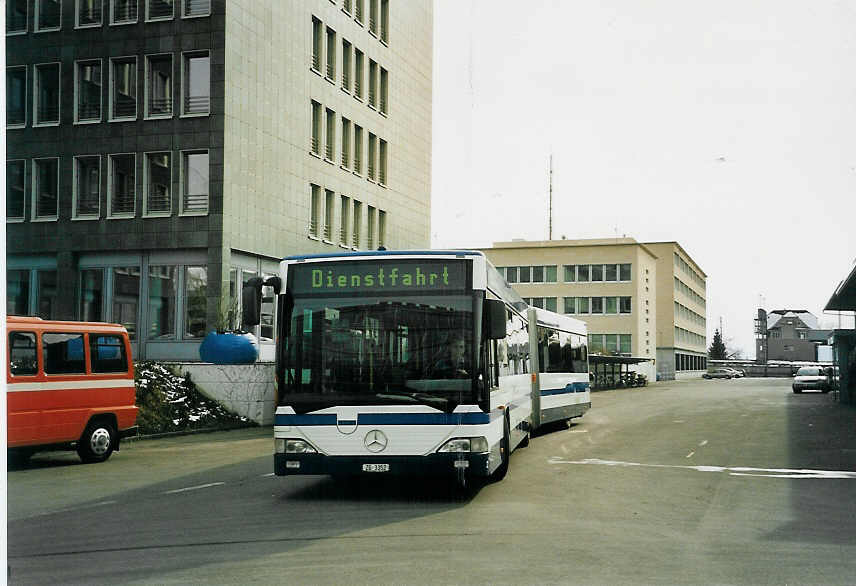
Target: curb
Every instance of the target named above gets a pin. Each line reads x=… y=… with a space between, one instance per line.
x=166 y=434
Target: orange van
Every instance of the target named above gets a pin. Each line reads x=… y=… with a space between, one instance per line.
x=68 y=385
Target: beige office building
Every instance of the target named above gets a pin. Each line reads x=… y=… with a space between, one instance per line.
x=627 y=292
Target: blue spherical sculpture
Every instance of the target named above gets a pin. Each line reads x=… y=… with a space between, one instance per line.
x=228 y=348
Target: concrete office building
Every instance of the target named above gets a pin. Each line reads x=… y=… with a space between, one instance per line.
x=633 y=296
x=792 y=335
x=162 y=152
x=609 y=283
x=681 y=311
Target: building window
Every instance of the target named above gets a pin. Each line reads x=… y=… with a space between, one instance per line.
x=88 y=13
x=624 y=304
x=158 y=184
x=88 y=91
x=384 y=90
x=126 y=298
x=316 y=45
x=583 y=273
x=358 y=11
x=195 y=8
x=15 y=189
x=314 y=210
x=196 y=77
x=346 y=142
x=330 y=147
x=611 y=273
x=45 y=188
x=331 y=54
x=525 y=274
x=550 y=271
x=610 y=305
x=381 y=228
x=329 y=198
x=16 y=16
x=538 y=274
x=384 y=21
x=195 y=302
x=346 y=65
x=358 y=74
x=159 y=86
x=569 y=305
x=92 y=295
x=373 y=17
x=597 y=273
x=372 y=84
x=583 y=305
x=46 y=93
x=345 y=220
x=511 y=274
x=611 y=343
x=570 y=273
x=123 y=185
x=123 y=84
x=358 y=150
x=595 y=343
x=18 y=292
x=163 y=286
x=160 y=9
x=16 y=96
x=87 y=186
x=597 y=304
x=382 y=162
x=123 y=11
x=48 y=15
x=624 y=272
x=550 y=304
x=195 y=182
x=346 y=7
x=372 y=166
x=315 y=145
x=358 y=220
x=370 y=230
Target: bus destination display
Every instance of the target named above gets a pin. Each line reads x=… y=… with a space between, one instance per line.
x=382 y=277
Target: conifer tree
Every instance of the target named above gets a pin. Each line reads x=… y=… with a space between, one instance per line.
x=717 y=347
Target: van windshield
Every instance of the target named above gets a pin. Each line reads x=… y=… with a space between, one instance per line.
x=806 y=371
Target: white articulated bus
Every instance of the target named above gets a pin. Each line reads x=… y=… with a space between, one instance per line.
x=413 y=363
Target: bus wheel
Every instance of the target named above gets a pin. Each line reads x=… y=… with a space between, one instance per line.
x=97 y=442
x=504 y=452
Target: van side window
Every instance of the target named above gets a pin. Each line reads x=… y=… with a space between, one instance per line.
x=22 y=354
x=63 y=353
x=107 y=353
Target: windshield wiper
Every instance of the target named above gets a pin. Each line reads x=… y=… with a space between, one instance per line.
x=414 y=397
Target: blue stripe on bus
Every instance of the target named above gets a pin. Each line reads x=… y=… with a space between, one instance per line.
x=386 y=253
x=387 y=419
x=569 y=388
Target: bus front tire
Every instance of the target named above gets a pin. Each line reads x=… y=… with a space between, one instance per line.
x=97 y=442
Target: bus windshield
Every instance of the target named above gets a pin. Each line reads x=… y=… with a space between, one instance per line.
x=378 y=350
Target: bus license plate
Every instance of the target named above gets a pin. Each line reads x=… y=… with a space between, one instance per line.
x=375 y=467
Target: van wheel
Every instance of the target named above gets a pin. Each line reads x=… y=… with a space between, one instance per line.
x=504 y=452
x=97 y=442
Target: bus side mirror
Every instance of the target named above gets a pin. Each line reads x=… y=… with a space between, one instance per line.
x=251 y=302
x=494 y=313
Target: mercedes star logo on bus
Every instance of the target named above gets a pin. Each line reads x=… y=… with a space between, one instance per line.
x=375 y=441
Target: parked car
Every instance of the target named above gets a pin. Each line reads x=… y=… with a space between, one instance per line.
x=719 y=373
x=736 y=372
x=811 y=378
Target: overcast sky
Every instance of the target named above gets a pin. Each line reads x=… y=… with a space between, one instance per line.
x=728 y=126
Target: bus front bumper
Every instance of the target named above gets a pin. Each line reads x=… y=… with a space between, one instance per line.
x=442 y=464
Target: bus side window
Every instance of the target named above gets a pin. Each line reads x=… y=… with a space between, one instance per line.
x=22 y=354
x=63 y=353
x=107 y=353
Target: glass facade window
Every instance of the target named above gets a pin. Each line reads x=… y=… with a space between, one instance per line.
x=511 y=274
x=346 y=65
x=159 y=86
x=372 y=163
x=382 y=162
x=611 y=273
x=583 y=273
x=538 y=274
x=92 y=295
x=123 y=84
x=87 y=186
x=550 y=273
x=163 y=284
x=330 y=147
x=358 y=74
x=370 y=227
x=570 y=304
x=88 y=13
x=195 y=296
x=331 y=54
x=16 y=96
x=126 y=298
x=158 y=183
x=596 y=273
x=384 y=21
x=611 y=342
x=372 y=83
x=314 y=210
x=381 y=228
x=550 y=303
x=611 y=304
x=47 y=93
x=193 y=8
x=570 y=273
x=160 y=9
x=344 y=220
x=123 y=11
x=624 y=304
x=329 y=214
x=524 y=274
x=47 y=308
x=624 y=272
x=15 y=189
x=17 y=292
x=624 y=343
x=197 y=83
x=595 y=343
x=315 y=144
x=46 y=188
x=88 y=91
x=16 y=16
x=316 y=44
x=597 y=304
x=48 y=15
x=358 y=149
x=358 y=222
x=384 y=90
x=195 y=173
x=582 y=304
x=123 y=185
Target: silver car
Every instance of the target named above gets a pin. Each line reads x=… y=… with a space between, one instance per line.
x=810 y=378
x=719 y=373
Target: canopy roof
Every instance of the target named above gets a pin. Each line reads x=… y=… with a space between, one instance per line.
x=844 y=297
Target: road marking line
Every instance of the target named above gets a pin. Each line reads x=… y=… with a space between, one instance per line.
x=177 y=490
x=732 y=471
x=266 y=475
x=578 y=431
x=690 y=455
x=703 y=443
x=678 y=421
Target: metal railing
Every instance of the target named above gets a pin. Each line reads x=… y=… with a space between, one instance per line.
x=122 y=203
x=158 y=201
x=87 y=111
x=124 y=106
x=197 y=104
x=197 y=7
x=160 y=105
x=195 y=202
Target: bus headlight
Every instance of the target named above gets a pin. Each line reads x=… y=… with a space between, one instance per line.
x=297 y=446
x=465 y=444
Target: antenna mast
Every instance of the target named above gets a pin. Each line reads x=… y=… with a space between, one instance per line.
x=550 y=221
